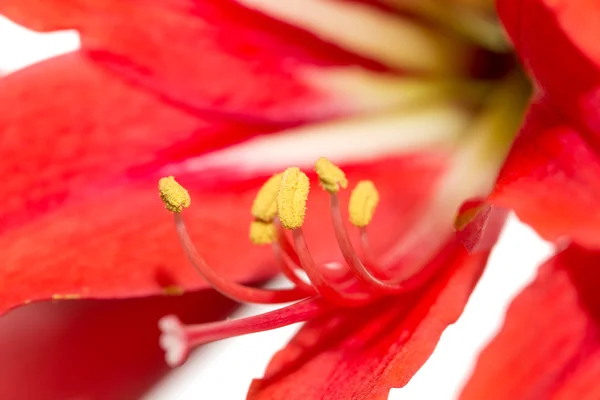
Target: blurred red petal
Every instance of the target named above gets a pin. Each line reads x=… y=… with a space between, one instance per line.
x=565 y=32
x=548 y=347
x=552 y=179
x=361 y=355
x=87 y=126
x=209 y=56
x=99 y=350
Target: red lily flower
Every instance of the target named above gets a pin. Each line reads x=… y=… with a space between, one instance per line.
x=152 y=126
x=195 y=96
x=551 y=180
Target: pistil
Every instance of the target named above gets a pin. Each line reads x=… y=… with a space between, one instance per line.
x=178 y=339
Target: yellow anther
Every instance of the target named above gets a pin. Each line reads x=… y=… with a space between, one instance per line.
x=331 y=176
x=363 y=201
x=291 y=199
x=265 y=202
x=173 y=194
x=262 y=232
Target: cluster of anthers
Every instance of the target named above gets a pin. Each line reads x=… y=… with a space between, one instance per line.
x=281 y=205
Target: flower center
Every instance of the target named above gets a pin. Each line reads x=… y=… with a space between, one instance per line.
x=317 y=289
x=281 y=205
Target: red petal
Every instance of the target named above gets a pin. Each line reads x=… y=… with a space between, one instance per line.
x=211 y=56
x=552 y=179
x=361 y=355
x=81 y=215
x=565 y=32
x=92 y=349
x=478 y=225
x=548 y=347
x=67 y=120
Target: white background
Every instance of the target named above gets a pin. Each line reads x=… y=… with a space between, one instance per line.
x=224 y=370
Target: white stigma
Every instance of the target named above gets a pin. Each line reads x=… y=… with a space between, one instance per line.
x=172 y=340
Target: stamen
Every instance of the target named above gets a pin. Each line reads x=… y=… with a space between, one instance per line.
x=291 y=198
x=291 y=203
x=175 y=198
x=331 y=177
x=266 y=228
x=264 y=207
x=228 y=288
x=361 y=207
x=320 y=282
x=362 y=204
x=178 y=339
x=173 y=194
x=357 y=267
x=262 y=232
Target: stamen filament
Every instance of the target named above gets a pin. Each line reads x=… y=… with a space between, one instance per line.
x=358 y=268
x=285 y=244
x=370 y=259
x=288 y=267
x=320 y=282
x=233 y=290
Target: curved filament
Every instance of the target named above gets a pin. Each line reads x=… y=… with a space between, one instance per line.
x=358 y=268
x=289 y=270
x=320 y=282
x=288 y=259
x=233 y=290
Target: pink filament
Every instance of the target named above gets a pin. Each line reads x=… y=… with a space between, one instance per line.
x=288 y=260
x=322 y=285
x=358 y=268
x=289 y=270
x=285 y=243
x=226 y=287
